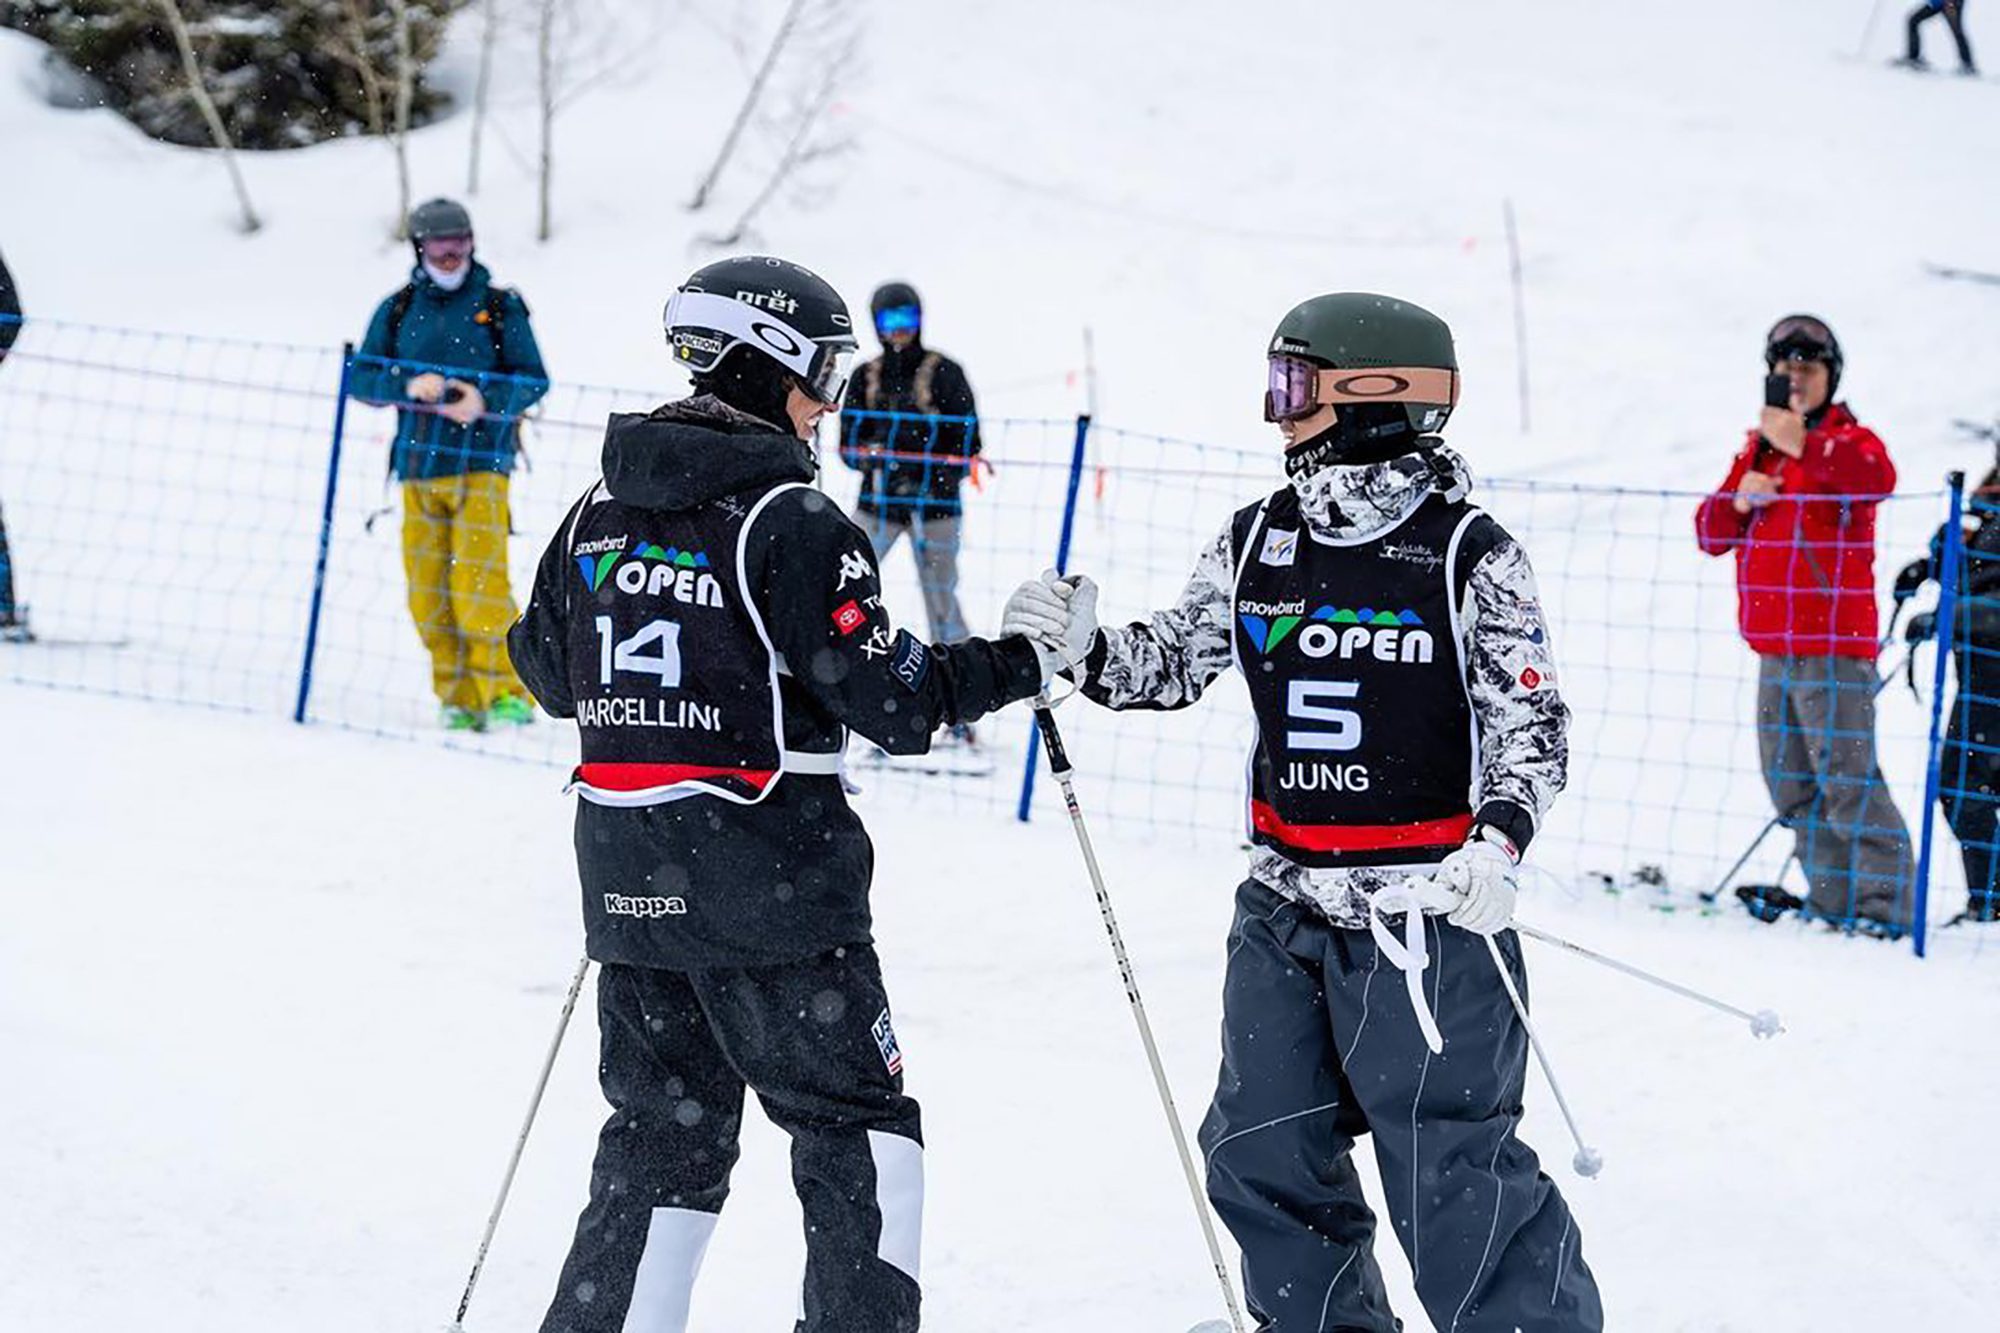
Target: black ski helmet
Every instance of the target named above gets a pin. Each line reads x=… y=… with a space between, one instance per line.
x=1806 y=338
x=439 y=217
x=770 y=308
x=894 y=296
x=1389 y=366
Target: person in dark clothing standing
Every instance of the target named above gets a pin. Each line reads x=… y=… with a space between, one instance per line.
x=1954 y=14
x=907 y=429
x=13 y=617
x=715 y=625
x=1969 y=767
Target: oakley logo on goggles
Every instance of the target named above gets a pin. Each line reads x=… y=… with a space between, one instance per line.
x=899 y=319
x=1298 y=387
x=703 y=326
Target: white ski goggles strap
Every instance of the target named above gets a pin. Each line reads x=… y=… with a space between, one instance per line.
x=759 y=328
x=1413 y=897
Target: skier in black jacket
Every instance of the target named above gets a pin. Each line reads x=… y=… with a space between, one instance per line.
x=1969 y=767
x=715 y=625
x=13 y=619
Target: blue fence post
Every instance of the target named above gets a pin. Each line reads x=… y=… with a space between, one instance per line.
x=325 y=536
x=1947 y=623
x=1062 y=567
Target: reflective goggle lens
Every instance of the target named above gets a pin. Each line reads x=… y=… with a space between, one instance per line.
x=445 y=247
x=1799 y=338
x=1293 y=389
x=829 y=380
x=899 y=319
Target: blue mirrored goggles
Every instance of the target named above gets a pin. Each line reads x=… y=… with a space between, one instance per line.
x=899 y=319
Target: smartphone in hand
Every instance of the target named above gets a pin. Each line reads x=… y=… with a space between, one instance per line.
x=1778 y=390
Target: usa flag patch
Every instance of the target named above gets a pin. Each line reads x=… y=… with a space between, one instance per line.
x=885 y=1038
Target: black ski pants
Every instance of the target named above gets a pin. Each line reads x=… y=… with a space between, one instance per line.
x=1320 y=1046
x=813 y=1039
x=1969 y=773
x=1954 y=14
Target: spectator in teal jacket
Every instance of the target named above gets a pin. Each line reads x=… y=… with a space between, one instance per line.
x=456 y=357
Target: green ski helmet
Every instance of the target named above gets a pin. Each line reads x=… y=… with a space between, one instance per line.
x=1389 y=366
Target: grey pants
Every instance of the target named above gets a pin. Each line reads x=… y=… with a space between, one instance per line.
x=1816 y=733
x=935 y=540
x=1320 y=1046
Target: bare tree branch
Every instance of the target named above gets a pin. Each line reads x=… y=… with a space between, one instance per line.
x=481 y=89
x=786 y=27
x=800 y=151
x=198 y=89
x=406 y=83
x=545 y=70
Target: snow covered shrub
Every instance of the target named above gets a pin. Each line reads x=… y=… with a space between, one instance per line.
x=284 y=73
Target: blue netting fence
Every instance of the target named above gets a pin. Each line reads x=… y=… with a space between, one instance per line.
x=163 y=499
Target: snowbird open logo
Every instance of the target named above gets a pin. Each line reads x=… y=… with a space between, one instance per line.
x=1387 y=636
x=652 y=569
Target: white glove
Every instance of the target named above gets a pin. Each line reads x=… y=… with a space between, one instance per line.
x=1057 y=616
x=1482 y=875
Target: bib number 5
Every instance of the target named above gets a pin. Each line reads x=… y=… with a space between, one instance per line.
x=614 y=654
x=1306 y=701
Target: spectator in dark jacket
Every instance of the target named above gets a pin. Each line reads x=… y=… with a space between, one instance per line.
x=1969 y=767
x=13 y=617
x=456 y=357
x=1797 y=510
x=1954 y=14
x=908 y=428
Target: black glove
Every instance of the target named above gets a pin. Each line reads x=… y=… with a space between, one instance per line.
x=1913 y=576
x=1921 y=629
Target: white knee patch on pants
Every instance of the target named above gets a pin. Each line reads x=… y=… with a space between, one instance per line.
x=899 y=1195
x=676 y=1239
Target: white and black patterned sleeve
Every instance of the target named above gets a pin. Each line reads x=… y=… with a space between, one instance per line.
x=1168 y=659
x=1511 y=678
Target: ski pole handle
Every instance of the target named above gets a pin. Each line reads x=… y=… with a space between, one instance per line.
x=1045 y=722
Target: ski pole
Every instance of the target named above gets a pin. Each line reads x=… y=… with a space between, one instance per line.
x=1588 y=1161
x=1060 y=770
x=514 y=1162
x=1763 y=1023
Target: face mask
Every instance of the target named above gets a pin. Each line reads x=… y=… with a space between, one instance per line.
x=451 y=282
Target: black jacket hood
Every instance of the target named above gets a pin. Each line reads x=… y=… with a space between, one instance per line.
x=699 y=449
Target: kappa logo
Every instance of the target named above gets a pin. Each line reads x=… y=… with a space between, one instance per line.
x=1281 y=547
x=617 y=904
x=853 y=565
x=1332 y=631
x=652 y=569
x=884 y=1033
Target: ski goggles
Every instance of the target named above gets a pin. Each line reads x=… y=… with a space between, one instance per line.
x=1298 y=388
x=827 y=380
x=1799 y=338
x=899 y=319
x=435 y=248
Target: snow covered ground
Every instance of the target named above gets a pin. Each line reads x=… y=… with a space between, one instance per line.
x=270 y=1016
x=271 y=1002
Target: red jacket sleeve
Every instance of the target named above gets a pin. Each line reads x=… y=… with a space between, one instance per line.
x=1849 y=461
x=1718 y=528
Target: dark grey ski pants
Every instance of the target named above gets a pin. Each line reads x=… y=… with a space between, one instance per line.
x=1816 y=735
x=1319 y=1046
x=812 y=1038
x=934 y=538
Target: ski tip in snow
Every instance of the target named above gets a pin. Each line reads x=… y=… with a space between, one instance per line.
x=1765 y=1024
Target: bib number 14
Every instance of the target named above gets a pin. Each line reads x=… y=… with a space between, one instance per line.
x=661 y=637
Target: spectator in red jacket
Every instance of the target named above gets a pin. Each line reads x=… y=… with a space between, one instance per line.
x=1798 y=512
